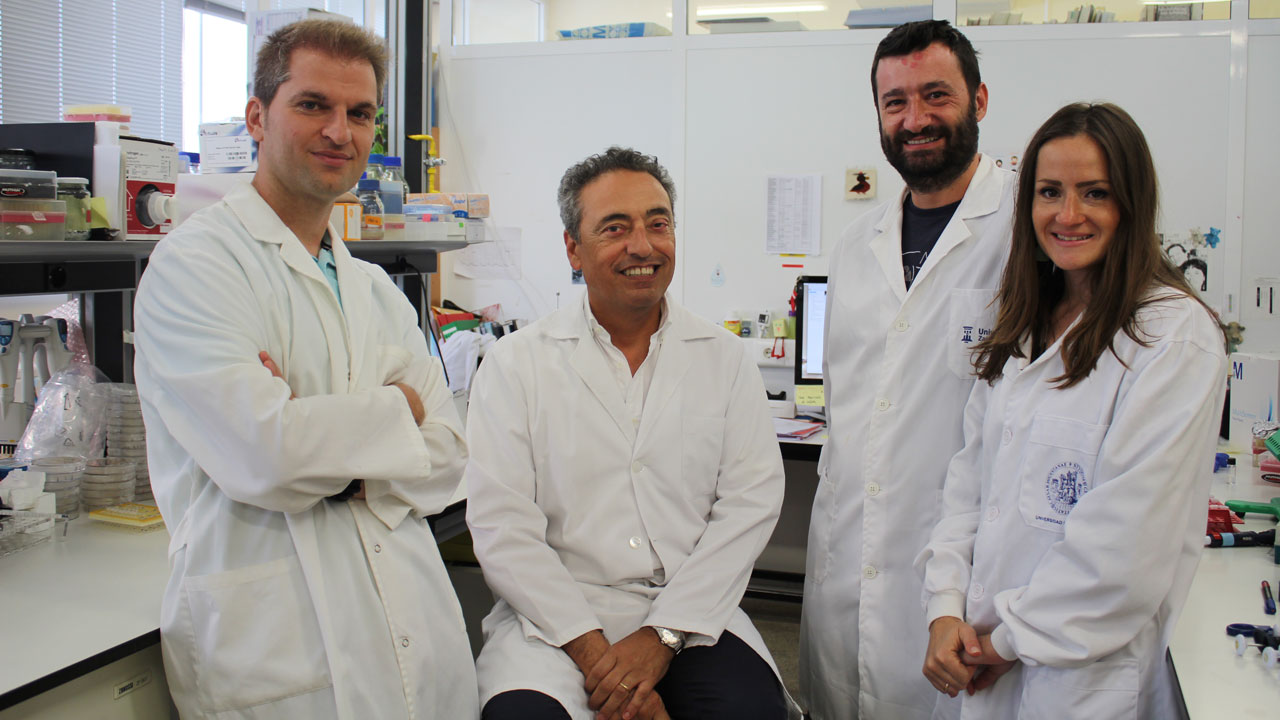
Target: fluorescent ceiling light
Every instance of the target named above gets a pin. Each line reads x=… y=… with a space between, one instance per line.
x=714 y=10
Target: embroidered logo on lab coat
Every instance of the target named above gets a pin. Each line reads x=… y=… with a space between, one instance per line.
x=967 y=334
x=1064 y=486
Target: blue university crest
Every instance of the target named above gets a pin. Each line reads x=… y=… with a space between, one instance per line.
x=1064 y=486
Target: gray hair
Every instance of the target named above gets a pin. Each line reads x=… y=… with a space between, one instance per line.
x=337 y=38
x=615 y=158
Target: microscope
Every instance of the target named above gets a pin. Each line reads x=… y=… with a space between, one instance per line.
x=32 y=350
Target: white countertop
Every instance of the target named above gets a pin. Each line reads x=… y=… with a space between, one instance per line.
x=70 y=598
x=1215 y=682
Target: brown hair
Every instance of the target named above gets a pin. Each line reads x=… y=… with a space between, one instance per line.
x=1132 y=267
x=333 y=37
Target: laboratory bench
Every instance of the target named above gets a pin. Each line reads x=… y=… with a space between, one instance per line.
x=76 y=603
x=81 y=603
x=1214 y=681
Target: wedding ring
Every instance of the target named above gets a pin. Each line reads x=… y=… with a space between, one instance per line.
x=624 y=686
x=946 y=687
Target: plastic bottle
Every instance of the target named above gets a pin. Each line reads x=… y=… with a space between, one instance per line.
x=394 y=190
x=371 y=209
x=375 y=170
x=395 y=172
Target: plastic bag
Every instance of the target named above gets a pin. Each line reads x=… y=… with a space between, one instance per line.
x=70 y=418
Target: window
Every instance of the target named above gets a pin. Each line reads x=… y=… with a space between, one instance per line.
x=70 y=52
x=214 y=68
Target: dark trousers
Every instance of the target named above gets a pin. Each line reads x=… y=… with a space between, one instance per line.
x=726 y=680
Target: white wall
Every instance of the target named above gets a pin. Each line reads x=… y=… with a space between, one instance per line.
x=1262 y=183
x=723 y=112
x=511 y=126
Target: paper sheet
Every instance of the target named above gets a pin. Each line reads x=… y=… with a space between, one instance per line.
x=811 y=395
x=793 y=209
x=498 y=259
x=789 y=427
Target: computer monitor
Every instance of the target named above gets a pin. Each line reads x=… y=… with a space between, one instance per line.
x=811 y=314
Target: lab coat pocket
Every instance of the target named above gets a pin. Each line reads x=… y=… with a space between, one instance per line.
x=972 y=315
x=1103 y=690
x=256 y=636
x=1057 y=469
x=703 y=440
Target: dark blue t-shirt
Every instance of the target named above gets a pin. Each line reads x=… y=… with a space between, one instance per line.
x=920 y=232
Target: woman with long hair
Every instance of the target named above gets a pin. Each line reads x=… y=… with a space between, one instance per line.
x=1074 y=516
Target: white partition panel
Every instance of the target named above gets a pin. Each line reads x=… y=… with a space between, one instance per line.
x=511 y=126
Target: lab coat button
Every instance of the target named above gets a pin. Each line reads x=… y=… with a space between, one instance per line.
x=976 y=591
x=404 y=642
x=1006 y=437
x=869 y=572
x=636 y=467
x=882 y=404
x=377 y=548
x=901 y=326
x=634 y=542
x=873 y=489
x=993 y=512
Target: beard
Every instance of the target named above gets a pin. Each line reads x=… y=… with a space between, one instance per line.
x=928 y=172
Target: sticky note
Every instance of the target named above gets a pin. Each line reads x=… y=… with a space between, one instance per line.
x=811 y=395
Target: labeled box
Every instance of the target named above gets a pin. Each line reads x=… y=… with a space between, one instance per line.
x=1255 y=387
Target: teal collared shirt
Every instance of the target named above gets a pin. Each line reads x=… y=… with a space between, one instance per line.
x=329 y=266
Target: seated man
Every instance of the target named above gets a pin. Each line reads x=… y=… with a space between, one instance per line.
x=624 y=477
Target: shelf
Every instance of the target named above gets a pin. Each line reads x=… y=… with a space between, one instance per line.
x=13 y=251
x=34 y=268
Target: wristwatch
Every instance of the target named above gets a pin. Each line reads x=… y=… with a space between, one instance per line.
x=673 y=639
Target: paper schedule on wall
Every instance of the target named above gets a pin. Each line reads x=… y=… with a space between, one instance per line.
x=793 y=207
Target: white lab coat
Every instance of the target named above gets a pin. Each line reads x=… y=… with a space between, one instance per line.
x=570 y=498
x=898 y=373
x=281 y=604
x=1073 y=520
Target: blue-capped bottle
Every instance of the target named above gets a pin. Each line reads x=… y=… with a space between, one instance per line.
x=371 y=218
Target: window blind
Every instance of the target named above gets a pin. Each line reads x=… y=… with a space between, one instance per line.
x=66 y=52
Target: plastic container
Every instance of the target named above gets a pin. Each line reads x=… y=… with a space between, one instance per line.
x=190 y=162
x=32 y=220
x=74 y=192
x=94 y=113
x=394 y=186
x=28 y=185
x=62 y=477
x=107 y=482
x=371 y=208
x=374 y=168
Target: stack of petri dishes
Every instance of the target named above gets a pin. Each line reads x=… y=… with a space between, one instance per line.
x=62 y=476
x=127 y=438
x=107 y=482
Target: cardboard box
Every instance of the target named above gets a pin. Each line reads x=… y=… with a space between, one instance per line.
x=227 y=148
x=346 y=218
x=1255 y=388
x=458 y=200
x=477 y=205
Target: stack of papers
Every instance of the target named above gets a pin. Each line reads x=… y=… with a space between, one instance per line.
x=792 y=429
